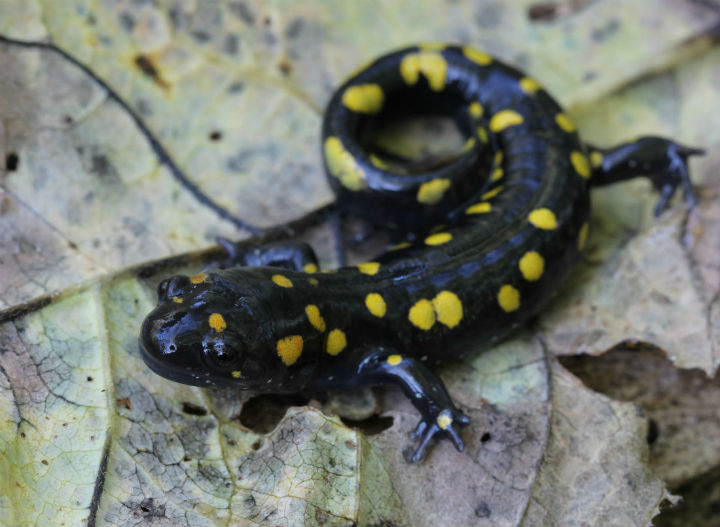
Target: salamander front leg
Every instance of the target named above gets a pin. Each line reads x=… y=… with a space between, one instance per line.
x=663 y=161
x=289 y=255
x=440 y=416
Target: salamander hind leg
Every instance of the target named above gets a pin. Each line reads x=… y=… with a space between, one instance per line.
x=663 y=161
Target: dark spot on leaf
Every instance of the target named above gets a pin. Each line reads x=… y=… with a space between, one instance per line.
x=72 y=245
x=89 y=378
x=351 y=444
x=373 y=425
x=232 y=44
x=200 y=36
x=193 y=409
x=602 y=33
x=12 y=160
x=294 y=28
x=482 y=510
x=67 y=119
x=653 y=431
x=262 y=413
x=22 y=434
x=127 y=21
x=242 y=11
x=187 y=458
x=100 y=166
x=125 y=402
x=285 y=67
x=236 y=87
x=215 y=135
x=91 y=20
x=267 y=21
x=44 y=462
x=150 y=510
x=249 y=501
x=257 y=444
x=149 y=69
x=146 y=66
x=485 y=437
x=543 y=12
x=321 y=516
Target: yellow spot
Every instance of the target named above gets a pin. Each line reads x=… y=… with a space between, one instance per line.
x=342 y=165
x=543 y=219
x=491 y=194
x=282 y=281
x=177 y=300
x=438 y=239
x=364 y=98
x=564 y=122
x=444 y=420
x=432 y=191
x=402 y=245
x=376 y=304
x=531 y=266
x=422 y=314
x=198 y=278
x=582 y=237
x=581 y=164
x=469 y=144
x=313 y=281
x=498 y=158
x=477 y=56
x=394 y=360
x=217 y=322
x=336 y=342
x=504 y=119
x=289 y=349
x=482 y=134
x=529 y=85
x=314 y=316
x=378 y=162
x=431 y=64
x=479 y=208
x=448 y=308
x=370 y=268
x=236 y=374
x=433 y=46
x=596 y=159
x=497 y=174
x=475 y=109
x=509 y=298
x=310 y=268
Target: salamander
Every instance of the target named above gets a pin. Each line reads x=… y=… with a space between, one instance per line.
x=492 y=233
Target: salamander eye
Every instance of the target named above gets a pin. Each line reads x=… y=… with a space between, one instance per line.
x=220 y=356
x=172 y=286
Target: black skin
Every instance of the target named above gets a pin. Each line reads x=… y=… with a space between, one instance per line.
x=262 y=313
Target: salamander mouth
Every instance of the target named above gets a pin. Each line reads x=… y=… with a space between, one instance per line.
x=190 y=376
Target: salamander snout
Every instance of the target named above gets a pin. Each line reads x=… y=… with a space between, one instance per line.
x=172 y=287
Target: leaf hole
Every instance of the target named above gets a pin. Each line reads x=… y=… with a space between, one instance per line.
x=485 y=437
x=12 y=160
x=215 y=135
x=193 y=409
x=262 y=413
x=373 y=425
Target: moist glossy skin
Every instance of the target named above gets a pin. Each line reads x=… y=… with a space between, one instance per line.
x=514 y=208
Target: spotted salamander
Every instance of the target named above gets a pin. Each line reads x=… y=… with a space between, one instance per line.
x=513 y=207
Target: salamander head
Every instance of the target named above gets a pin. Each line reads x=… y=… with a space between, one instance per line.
x=211 y=330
